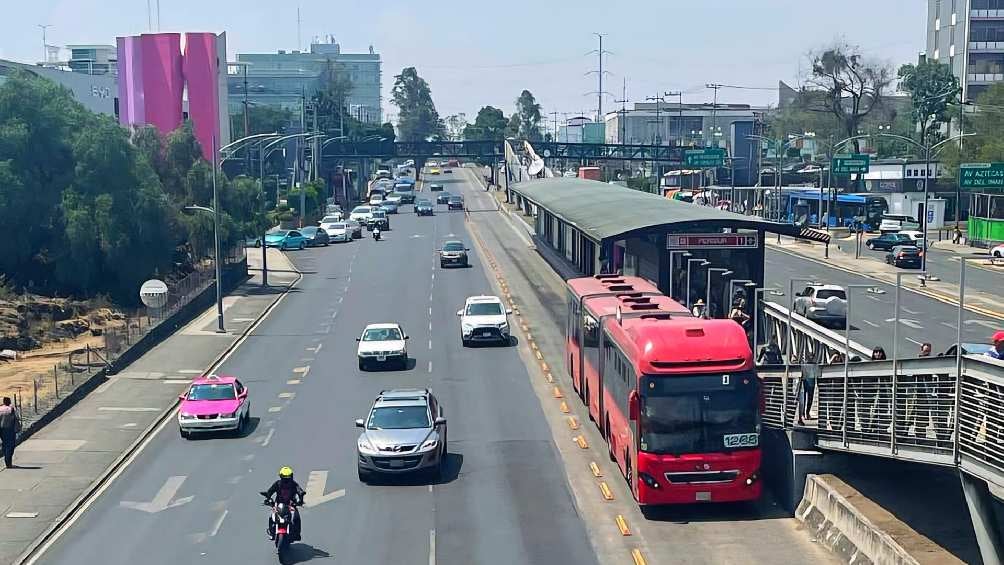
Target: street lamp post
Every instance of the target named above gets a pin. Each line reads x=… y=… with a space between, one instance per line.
x=701 y=263
x=847 y=355
x=958 y=349
x=673 y=254
x=707 y=291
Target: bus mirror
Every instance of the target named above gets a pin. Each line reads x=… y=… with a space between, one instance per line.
x=633 y=405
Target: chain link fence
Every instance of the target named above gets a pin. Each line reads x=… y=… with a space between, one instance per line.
x=46 y=390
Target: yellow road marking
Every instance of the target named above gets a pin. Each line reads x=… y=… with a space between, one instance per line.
x=539 y=356
x=639 y=559
x=563 y=407
x=573 y=423
x=595 y=469
x=549 y=378
x=605 y=491
x=581 y=440
x=557 y=393
x=544 y=367
x=533 y=344
x=622 y=526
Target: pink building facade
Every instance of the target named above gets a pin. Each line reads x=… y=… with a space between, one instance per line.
x=154 y=71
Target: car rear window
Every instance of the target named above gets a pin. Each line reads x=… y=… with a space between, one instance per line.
x=212 y=392
x=824 y=294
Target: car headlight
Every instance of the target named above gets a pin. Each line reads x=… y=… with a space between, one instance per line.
x=185 y=416
x=466 y=327
x=230 y=415
x=503 y=325
x=364 y=445
x=431 y=443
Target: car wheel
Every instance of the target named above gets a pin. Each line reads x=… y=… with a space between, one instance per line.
x=282 y=246
x=870 y=246
x=302 y=246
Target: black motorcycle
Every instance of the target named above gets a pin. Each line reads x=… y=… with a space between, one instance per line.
x=281 y=520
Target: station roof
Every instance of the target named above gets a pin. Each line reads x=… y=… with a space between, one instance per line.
x=603 y=211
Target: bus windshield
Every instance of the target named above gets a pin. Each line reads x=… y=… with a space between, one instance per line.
x=699 y=414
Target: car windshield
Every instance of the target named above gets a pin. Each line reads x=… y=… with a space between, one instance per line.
x=379 y=214
x=329 y=219
x=699 y=414
x=280 y=233
x=399 y=418
x=382 y=334
x=361 y=210
x=309 y=230
x=453 y=246
x=422 y=203
x=212 y=392
x=827 y=293
x=484 y=309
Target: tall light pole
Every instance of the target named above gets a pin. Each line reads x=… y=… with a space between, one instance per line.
x=45 y=44
x=787 y=331
x=847 y=355
x=700 y=263
x=673 y=254
x=707 y=291
x=218 y=259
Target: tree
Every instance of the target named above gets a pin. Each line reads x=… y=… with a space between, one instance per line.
x=417 y=116
x=852 y=87
x=456 y=124
x=987 y=145
x=331 y=99
x=933 y=89
x=490 y=124
x=527 y=117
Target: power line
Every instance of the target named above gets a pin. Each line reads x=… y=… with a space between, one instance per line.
x=599 y=75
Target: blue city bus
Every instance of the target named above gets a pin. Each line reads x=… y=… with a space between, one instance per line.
x=845 y=210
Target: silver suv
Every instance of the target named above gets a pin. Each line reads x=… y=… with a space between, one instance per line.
x=404 y=432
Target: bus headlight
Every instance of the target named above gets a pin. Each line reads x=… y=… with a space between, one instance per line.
x=648 y=480
x=752 y=478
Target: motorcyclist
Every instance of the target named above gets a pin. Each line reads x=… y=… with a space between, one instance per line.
x=287 y=491
x=376 y=232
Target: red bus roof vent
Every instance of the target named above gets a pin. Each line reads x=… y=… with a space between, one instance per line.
x=643 y=307
x=695 y=332
x=620 y=287
x=634 y=298
x=606 y=276
x=657 y=316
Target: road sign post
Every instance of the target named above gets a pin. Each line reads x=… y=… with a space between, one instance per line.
x=981 y=175
x=850 y=163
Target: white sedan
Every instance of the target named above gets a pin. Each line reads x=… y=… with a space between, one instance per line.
x=382 y=344
x=997 y=253
x=337 y=231
x=361 y=214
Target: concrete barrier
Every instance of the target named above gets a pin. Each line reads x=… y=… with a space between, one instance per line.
x=859 y=531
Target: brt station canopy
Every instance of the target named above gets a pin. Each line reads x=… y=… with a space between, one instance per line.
x=602 y=228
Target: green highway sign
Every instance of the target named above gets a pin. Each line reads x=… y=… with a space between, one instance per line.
x=850 y=163
x=981 y=175
x=704 y=158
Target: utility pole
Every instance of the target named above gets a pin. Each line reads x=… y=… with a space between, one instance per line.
x=714 y=109
x=555 y=114
x=45 y=44
x=657 y=138
x=623 y=111
x=599 y=73
x=247 y=119
x=679 y=95
x=298 y=23
x=299 y=151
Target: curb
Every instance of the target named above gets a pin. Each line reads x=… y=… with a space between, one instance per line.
x=944 y=298
x=124 y=458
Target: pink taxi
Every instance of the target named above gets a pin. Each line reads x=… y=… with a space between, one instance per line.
x=214 y=403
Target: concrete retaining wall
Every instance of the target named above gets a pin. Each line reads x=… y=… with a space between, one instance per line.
x=859 y=531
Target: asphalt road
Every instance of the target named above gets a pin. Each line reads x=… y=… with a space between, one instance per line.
x=945 y=265
x=922 y=319
x=504 y=500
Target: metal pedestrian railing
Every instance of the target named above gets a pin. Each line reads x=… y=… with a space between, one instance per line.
x=810 y=342
x=920 y=410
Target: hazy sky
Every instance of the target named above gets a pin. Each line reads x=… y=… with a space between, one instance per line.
x=476 y=53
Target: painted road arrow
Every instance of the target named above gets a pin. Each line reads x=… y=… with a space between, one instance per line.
x=316 y=483
x=164 y=499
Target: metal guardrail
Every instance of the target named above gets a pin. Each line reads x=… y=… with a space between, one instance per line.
x=918 y=410
x=810 y=342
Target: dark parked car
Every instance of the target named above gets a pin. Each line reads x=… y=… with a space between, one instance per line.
x=905 y=256
x=887 y=241
x=435 y=187
x=316 y=236
x=424 y=207
x=453 y=253
x=456 y=202
x=443 y=198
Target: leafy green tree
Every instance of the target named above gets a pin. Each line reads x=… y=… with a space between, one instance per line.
x=490 y=124
x=455 y=126
x=852 y=86
x=181 y=152
x=527 y=117
x=987 y=123
x=331 y=99
x=933 y=90
x=417 y=116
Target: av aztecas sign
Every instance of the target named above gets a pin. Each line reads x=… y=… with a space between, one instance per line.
x=981 y=175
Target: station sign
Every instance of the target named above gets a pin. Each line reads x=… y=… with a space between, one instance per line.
x=709 y=157
x=981 y=175
x=712 y=241
x=852 y=163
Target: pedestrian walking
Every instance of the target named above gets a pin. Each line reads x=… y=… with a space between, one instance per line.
x=10 y=425
x=876 y=401
x=957 y=235
x=921 y=395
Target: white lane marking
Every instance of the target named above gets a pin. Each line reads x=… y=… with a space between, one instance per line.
x=913 y=341
x=293 y=381
x=303 y=370
x=430 y=366
x=190 y=371
x=907 y=322
x=316 y=483
x=874 y=298
x=983 y=323
x=326 y=329
x=21 y=515
x=340 y=298
x=87 y=417
x=176 y=381
x=287 y=395
x=105 y=385
x=432 y=547
x=218 y=524
x=872 y=324
x=275 y=409
x=908 y=311
x=129 y=425
x=129 y=409
x=948 y=324
x=430 y=344
x=242 y=320
x=164 y=498
x=430 y=488
x=268 y=438
x=430 y=326
x=430 y=311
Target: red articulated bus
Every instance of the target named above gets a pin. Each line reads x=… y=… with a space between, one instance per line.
x=675 y=396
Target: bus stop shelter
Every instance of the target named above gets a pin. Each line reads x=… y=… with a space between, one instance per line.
x=602 y=228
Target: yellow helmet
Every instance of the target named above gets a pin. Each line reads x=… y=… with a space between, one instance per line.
x=286 y=473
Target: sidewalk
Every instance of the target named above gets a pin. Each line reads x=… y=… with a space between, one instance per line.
x=841 y=256
x=60 y=466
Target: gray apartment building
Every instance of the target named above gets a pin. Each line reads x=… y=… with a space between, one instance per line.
x=282 y=78
x=969 y=36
